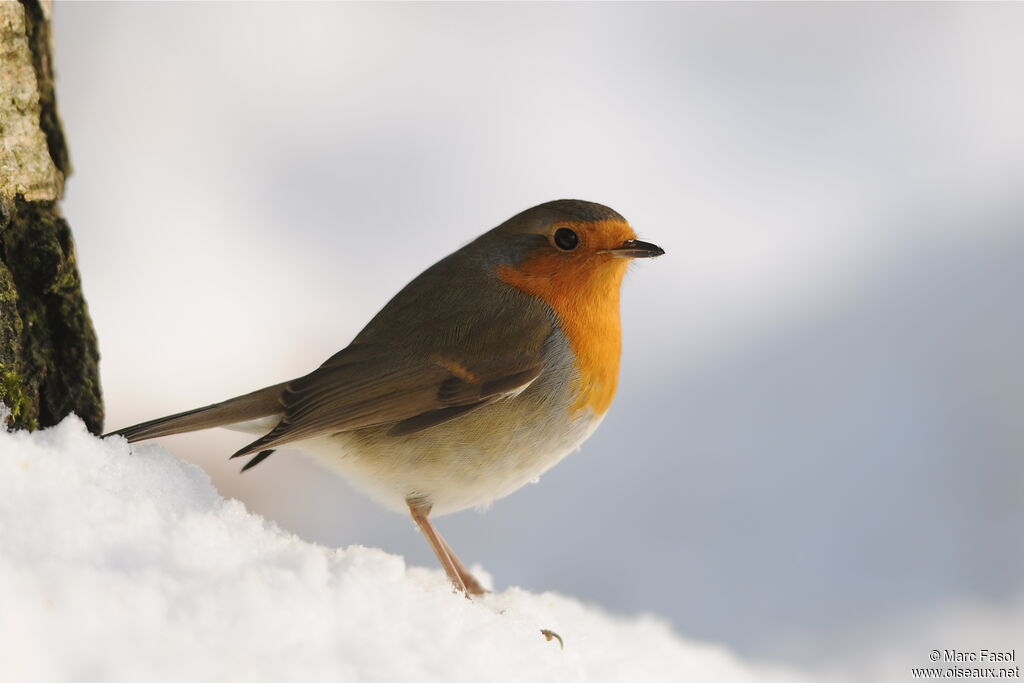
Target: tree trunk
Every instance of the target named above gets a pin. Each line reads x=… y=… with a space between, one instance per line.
x=49 y=362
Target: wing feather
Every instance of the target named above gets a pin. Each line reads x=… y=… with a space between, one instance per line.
x=431 y=355
x=373 y=391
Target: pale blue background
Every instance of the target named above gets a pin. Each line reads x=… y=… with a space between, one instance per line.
x=816 y=451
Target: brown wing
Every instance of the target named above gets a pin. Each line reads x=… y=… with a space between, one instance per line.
x=363 y=387
x=450 y=341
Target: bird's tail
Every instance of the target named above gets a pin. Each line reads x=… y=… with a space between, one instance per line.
x=262 y=403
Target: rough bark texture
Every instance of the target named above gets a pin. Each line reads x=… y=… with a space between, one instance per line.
x=49 y=361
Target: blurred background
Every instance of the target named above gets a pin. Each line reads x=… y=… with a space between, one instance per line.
x=826 y=365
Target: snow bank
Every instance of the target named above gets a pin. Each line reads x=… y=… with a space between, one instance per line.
x=121 y=564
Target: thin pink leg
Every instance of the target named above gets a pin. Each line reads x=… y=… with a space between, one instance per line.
x=472 y=585
x=451 y=568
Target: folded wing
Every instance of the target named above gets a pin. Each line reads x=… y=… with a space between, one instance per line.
x=364 y=387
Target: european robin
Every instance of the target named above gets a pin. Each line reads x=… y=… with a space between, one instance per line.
x=482 y=373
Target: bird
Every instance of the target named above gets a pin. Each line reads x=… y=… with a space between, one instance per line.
x=477 y=377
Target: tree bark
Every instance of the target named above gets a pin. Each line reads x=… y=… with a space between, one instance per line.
x=49 y=361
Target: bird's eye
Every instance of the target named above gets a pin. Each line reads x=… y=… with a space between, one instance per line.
x=566 y=239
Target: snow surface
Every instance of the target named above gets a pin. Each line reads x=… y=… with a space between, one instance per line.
x=123 y=563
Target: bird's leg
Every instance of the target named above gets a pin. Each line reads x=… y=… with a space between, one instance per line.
x=472 y=585
x=419 y=513
x=456 y=571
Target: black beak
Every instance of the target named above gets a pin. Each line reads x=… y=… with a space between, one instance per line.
x=636 y=249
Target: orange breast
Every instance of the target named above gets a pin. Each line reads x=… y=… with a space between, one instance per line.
x=583 y=290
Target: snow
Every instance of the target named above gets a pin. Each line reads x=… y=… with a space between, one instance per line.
x=122 y=563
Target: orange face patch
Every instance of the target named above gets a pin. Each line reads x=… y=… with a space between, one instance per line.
x=582 y=287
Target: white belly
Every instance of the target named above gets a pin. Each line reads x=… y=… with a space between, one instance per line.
x=472 y=460
x=468 y=462
x=475 y=459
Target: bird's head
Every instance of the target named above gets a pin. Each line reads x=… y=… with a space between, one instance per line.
x=570 y=245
